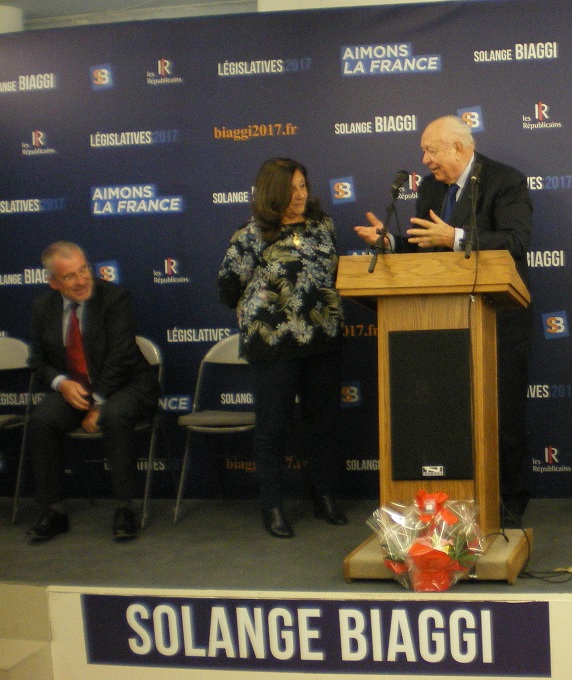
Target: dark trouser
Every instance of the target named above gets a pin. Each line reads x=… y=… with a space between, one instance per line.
x=316 y=381
x=53 y=417
x=513 y=346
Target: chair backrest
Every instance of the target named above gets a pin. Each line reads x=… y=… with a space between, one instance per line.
x=223 y=381
x=225 y=351
x=14 y=354
x=151 y=352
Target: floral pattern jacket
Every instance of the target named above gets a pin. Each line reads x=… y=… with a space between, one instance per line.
x=284 y=292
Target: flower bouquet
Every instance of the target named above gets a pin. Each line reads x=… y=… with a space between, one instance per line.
x=430 y=543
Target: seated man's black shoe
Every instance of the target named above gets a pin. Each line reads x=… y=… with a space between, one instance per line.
x=326 y=508
x=275 y=523
x=50 y=524
x=124 y=524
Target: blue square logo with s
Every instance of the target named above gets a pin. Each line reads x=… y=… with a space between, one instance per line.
x=473 y=117
x=108 y=271
x=101 y=77
x=555 y=325
x=342 y=190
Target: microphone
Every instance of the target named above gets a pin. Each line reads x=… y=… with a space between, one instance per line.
x=399 y=181
x=379 y=245
x=468 y=245
x=475 y=173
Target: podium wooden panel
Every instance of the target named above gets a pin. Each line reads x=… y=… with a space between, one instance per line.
x=436 y=291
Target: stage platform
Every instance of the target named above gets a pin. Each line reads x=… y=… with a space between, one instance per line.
x=219 y=549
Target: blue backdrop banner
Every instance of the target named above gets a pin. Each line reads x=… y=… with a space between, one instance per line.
x=141 y=142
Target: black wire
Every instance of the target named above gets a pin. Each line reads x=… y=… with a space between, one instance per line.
x=547 y=576
x=474 y=235
x=553 y=576
x=397 y=219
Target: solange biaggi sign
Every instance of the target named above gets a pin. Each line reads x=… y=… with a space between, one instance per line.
x=442 y=637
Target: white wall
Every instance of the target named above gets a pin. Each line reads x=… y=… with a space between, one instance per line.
x=276 y=5
x=84 y=15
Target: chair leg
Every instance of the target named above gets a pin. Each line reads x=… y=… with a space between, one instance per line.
x=150 y=464
x=23 y=443
x=166 y=448
x=182 y=478
x=20 y=474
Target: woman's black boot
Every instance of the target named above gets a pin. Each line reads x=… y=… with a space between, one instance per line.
x=326 y=508
x=275 y=523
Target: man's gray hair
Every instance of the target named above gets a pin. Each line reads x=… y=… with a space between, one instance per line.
x=458 y=130
x=63 y=249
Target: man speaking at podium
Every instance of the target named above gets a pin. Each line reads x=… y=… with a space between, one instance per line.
x=464 y=183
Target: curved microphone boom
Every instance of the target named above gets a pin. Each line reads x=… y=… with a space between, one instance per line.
x=379 y=246
x=475 y=178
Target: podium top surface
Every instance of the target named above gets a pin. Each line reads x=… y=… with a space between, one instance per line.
x=487 y=272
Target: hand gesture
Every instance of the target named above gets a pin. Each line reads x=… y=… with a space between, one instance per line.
x=370 y=234
x=433 y=233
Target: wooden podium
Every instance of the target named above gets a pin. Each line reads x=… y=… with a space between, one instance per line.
x=442 y=291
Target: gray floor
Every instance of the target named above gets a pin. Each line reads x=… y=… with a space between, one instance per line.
x=220 y=544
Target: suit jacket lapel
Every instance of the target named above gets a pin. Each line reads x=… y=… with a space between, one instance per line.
x=462 y=211
x=88 y=321
x=54 y=329
x=461 y=216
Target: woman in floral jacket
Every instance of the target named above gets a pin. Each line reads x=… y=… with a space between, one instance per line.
x=279 y=273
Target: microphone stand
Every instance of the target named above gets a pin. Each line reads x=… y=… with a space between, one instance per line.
x=379 y=246
x=473 y=222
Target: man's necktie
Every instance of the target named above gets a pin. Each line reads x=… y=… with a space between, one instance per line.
x=77 y=365
x=450 y=200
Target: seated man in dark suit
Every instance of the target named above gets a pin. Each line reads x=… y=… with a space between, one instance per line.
x=85 y=353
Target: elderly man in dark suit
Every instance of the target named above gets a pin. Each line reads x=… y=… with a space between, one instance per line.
x=503 y=222
x=84 y=352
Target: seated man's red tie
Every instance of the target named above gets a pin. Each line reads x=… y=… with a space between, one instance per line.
x=77 y=365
